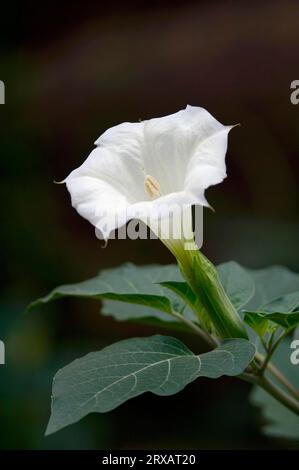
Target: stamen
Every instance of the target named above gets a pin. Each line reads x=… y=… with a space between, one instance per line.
x=152 y=187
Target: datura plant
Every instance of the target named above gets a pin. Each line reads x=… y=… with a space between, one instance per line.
x=155 y=171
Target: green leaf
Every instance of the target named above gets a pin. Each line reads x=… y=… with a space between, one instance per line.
x=103 y=380
x=124 y=311
x=140 y=285
x=237 y=283
x=282 y=311
x=192 y=308
x=128 y=283
x=182 y=289
x=138 y=292
x=279 y=421
x=257 y=321
x=262 y=323
x=270 y=283
x=284 y=303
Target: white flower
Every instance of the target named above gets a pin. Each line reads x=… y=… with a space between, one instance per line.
x=143 y=170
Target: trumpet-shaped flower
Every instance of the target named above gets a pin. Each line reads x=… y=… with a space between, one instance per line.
x=147 y=170
x=155 y=171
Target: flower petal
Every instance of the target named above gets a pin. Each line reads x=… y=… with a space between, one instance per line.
x=207 y=165
x=110 y=179
x=172 y=142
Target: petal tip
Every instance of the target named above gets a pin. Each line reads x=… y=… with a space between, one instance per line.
x=59 y=182
x=234 y=125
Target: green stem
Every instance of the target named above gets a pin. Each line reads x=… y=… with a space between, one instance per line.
x=279 y=394
x=278 y=375
x=203 y=278
x=283 y=380
x=271 y=351
x=211 y=342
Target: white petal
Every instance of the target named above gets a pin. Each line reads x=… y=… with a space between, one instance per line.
x=162 y=207
x=171 y=142
x=110 y=179
x=207 y=165
x=126 y=139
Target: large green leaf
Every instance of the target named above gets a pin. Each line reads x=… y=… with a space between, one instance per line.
x=280 y=421
x=282 y=311
x=103 y=380
x=237 y=283
x=147 y=291
x=139 y=292
x=127 y=283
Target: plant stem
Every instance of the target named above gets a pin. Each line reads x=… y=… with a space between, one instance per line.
x=203 y=278
x=278 y=394
x=271 y=351
x=283 y=380
x=279 y=376
x=203 y=334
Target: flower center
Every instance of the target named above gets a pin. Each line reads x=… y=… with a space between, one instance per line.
x=152 y=187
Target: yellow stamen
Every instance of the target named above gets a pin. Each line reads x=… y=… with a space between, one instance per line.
x=152 y=187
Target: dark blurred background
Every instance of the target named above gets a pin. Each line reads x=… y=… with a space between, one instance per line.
x=73 y=69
